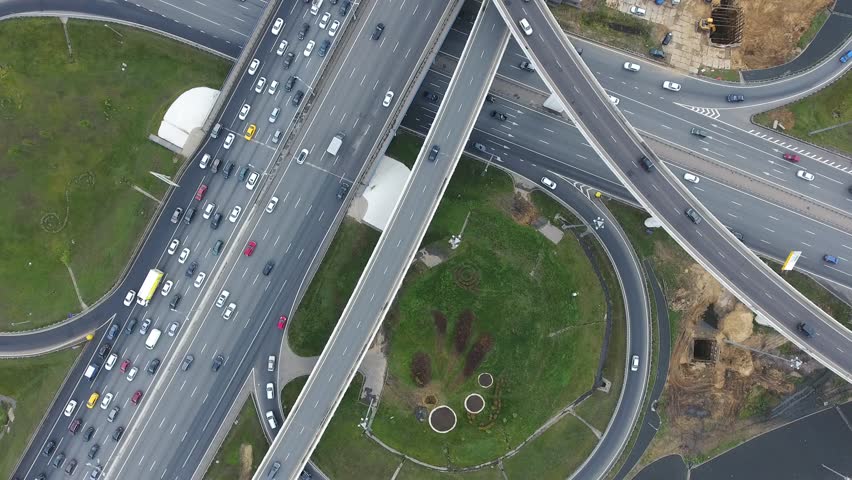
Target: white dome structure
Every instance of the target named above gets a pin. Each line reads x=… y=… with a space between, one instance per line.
x=186 y=113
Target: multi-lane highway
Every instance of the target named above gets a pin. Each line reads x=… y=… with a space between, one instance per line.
x=612 y=137
x=307 y=209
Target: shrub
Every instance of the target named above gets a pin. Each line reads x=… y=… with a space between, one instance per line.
x=477 y=354
x=463 y=330
x=440 y=321
x=421 y=369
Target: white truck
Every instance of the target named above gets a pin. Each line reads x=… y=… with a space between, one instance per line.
x=91 y=371
x=335 y=144
x=149 y=287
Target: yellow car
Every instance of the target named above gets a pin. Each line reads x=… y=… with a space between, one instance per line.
x=250 y=131
x=93 y=400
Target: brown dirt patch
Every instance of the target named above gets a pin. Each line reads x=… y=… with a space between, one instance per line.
x=474 y=404
x=784 y=116
x=442 y=419
x=245 y=461
x=703 y=401
x=772 y=29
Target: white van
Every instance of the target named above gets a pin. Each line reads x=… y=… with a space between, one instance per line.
x=153 y=338
x=316 y=6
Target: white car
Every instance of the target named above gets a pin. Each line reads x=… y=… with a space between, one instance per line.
x=690 y=178
x=807 y=176
x=167 y=287
x=631 y=67
x=260 y=83
x=270 y=363
x=548 y=183
x=638 y=11
x=270 y=391
x=675 y=87
x=309 y=48
x=634 y=363
x=199 y=280
x=208 y=210
x=271 y=205
x=388 y=99
x=252 y=180
x=205 y=159
x=69 y=409
x=222 y=297
x=244 y=111
x=110 y=362
x=184 y=254
x=303 y=155
x=235 y=213
x=270 y=418
x=525 y=26
x=105 y=402
x=276 y=27
x=613 y=100
x=173 y=246
x=282 y=47
x=332 y=30
x=229 y=140
x=173 y=328
x=273 y=87
x=132 y=374
x=128 y=299
x=255 y=64
x=324 y=20
x=229 y=311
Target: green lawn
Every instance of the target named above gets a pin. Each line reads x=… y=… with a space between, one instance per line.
x=331 y=287
x=344 y=452
x=412 y=471
x=518 y=285
x=830 y=106
x=555 y=454
x=247 y=431
x=32 y=383
x=598 y=409
x=597 y=21
x=720 y=73
x=816 y=24
x=74 y=139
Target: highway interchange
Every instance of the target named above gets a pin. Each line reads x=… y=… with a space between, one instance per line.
x=308 y=225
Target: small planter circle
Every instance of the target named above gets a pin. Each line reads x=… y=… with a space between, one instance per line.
x=474 y=403
x=442 y=419
x=485 y=380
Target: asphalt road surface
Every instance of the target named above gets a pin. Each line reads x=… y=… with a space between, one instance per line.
x=308 y=193
x=716 y=249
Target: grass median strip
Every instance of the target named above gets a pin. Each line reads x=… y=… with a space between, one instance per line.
x=31 y=383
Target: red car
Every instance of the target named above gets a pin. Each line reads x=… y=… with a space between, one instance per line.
x=136 y=397
x=124 y=366
x=199 y=195
x=792 y=157
x=250 y=248
x=282 y=322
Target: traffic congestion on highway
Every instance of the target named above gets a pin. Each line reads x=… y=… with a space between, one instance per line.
x=239 y=239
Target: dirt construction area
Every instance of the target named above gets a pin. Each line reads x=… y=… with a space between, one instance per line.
x=717 y=393
x=771 y=30
x=768 y=30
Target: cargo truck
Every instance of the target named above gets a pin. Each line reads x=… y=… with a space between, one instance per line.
x=149 y=287
x=335 y=144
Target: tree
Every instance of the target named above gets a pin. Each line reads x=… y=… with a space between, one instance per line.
x=421 y=369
